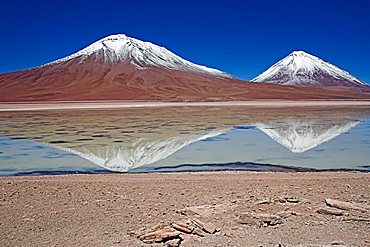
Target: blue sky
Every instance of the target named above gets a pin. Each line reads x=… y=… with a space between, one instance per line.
x=242 y=38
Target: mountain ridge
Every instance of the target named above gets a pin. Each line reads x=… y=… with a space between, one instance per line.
x=118 y=67
x=300 y=68
x=142 y=54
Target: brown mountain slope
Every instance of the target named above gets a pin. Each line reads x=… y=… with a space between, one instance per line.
x=96 y=80
x=119 y=67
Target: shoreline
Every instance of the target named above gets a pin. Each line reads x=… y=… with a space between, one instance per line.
x=279 y=169
x=71 y=105
x=112 y=209
x=296 y=174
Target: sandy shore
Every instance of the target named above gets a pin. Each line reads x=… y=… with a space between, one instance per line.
x=124 y=104
x=109 y=210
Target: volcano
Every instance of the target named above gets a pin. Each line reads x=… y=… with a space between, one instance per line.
x=119 y=67
x=302 y=69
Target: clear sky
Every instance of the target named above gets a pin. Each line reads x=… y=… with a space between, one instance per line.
x=242 y=38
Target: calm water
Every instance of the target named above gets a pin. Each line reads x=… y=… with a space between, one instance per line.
x=180 y=139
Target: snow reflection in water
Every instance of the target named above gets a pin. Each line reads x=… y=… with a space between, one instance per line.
x=145 y=140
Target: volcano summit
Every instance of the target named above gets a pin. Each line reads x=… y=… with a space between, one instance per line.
x=302 y=69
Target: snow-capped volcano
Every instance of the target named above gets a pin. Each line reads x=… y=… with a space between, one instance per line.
x=119 y=47
x=122 y=68
x=118 y=67
x=302 y=69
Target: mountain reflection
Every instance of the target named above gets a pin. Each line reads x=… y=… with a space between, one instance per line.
x=121 y=158
x=120 y=140
x=299 y=135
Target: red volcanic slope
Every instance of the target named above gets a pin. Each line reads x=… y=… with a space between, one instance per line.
x=91 y=81
x=123 y=68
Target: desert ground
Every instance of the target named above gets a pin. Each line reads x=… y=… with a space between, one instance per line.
x=187 y=209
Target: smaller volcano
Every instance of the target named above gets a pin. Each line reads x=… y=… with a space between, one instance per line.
x=302 y=69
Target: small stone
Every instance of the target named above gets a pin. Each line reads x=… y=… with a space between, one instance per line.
x=198 y=223
x=159 y=236
x=173 y=242
x=159 y=226
x=338 y=243
x=267 y=201
x=260 y=219
x=286 y=214
x=330 y=211
x=280 y=199
x=199 y=232
x=182 y=227
x=292 y=200
x=209 y=227
x=343 y=205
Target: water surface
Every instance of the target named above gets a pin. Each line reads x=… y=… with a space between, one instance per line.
x=184 y=138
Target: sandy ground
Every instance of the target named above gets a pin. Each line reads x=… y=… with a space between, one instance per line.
x=109 y=210
x=123 y=104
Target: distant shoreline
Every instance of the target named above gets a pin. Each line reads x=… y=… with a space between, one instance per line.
x=278 y=170
x=70 y=105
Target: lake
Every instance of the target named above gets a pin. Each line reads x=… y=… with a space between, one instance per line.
x=185 y=139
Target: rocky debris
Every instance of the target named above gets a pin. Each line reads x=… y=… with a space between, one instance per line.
x=207 y=227
x=172 y=234
x=159 y=236
x=280 y=245
x=266 y=201
x=260 y=219
x=199 y=232
x=292 y=200
x=133 y=211
x=280 y=199
x=330 y=211
x=286 y=199
x=173 y=242
x=344 y=205
x=182 y=227
x=338 y=243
